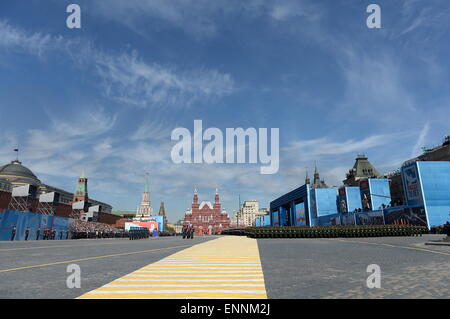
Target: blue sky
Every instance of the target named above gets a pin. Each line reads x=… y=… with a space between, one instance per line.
x=105 y=98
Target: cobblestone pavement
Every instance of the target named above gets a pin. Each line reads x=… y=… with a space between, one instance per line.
x=291 y=268
x=337 y=268
x=228 y=267
x=38 y=269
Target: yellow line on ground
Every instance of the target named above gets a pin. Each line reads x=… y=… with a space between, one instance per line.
x=193 y=277
x=91 y=258
x=391 y=245
x=188 y=282
x=62 y=246
x=202 y=295
x=242 y=287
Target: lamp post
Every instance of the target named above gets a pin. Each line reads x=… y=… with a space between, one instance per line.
x=239 y=212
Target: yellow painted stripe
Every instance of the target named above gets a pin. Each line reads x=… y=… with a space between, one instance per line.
x=115 y=243
x=175 y=295
x=187 y=282
x=182 y=288
x=192 y=277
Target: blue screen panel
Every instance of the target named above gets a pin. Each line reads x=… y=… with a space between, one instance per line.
x=435 y=184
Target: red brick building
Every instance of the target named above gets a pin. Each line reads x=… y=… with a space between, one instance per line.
x=5 y=198
x=207 y=218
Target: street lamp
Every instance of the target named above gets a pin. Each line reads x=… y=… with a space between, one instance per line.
x=239 y=212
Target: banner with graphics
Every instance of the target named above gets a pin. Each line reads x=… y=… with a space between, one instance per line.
x=275 y=218
x=300 y=216
x=411 y=184
x=151 y=226
x=31 y=226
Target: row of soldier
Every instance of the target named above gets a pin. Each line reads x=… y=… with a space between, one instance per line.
x=138 y=233
x=188 y=231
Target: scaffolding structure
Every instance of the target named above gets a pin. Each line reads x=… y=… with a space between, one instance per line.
x=22 y=198
x=47 y=203
x=79 y=210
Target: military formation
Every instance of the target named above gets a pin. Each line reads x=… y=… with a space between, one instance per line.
x=188 y=231
x=138 y=233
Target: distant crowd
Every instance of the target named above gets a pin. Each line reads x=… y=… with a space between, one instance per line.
x=80 y=229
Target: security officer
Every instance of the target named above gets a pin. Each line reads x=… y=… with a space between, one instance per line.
x=13 y=233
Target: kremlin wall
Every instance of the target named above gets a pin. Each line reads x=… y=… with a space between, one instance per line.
x=15 y=174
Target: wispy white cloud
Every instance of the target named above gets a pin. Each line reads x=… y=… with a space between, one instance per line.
x=129 y=79
x=283 y=10
x=375 y=89
x=310 y=149
x=421 y=140
x=154 y=129
x=18 y=40
x=125 y=77
x=420 y=17
x=200 y=18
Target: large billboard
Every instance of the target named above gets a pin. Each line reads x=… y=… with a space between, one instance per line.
x=151 y=226
x=275 y=218
x=349 y=199
x=283 y=216
x=370 y=218
x=434 y=180
x=380 y=193
x=407 y=216
x=160 y=221
x=411 y=184
x=343 y=207
x=300 y=214
x=31 y=226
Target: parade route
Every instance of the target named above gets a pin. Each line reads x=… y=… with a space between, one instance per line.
x=226 y=267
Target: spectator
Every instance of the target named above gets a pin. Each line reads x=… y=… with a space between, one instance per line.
x=82 y=229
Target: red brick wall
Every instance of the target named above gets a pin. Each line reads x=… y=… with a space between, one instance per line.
x=121 y=222
x=201 y=219
x=63 y=210
x=5 y=198
x=110 y=219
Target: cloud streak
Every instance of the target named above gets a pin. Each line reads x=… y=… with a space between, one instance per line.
x=125 y=77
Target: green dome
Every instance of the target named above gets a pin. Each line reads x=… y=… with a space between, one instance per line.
x=17 y=174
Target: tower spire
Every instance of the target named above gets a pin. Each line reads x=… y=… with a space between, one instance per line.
x=81 y=192
x=145 y=208
x=147 y=184
x=195 y=200
x=316 y=182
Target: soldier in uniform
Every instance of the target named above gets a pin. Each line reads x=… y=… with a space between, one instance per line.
x=13 y=233
x=191 y=231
